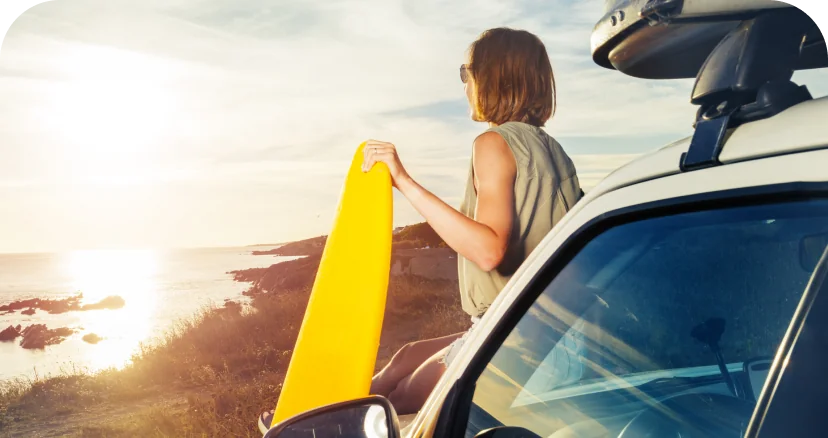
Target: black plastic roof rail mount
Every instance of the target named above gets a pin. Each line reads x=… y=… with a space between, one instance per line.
x=747 y=77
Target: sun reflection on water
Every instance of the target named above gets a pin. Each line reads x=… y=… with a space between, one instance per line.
x=130 y=274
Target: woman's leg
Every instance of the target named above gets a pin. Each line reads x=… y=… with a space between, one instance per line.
x=412 y=391
x=406 y=361
x=402 y=365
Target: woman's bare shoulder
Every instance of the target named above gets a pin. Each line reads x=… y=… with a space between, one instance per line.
x=490 y=138
x=491 y=151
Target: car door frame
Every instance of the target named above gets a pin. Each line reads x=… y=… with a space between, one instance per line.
x=453 y=413
x=789 y=404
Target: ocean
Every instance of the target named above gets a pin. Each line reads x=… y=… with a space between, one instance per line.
x=159 y=288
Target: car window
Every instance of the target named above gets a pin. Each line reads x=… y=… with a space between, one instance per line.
x=663 y=323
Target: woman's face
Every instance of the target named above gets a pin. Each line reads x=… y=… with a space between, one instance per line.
x=468 y=87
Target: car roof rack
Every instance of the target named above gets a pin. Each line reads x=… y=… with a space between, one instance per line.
x=742 y=53
x=747 y=77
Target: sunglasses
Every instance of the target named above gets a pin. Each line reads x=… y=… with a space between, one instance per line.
x=464 y=73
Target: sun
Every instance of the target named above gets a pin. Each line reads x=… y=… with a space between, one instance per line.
x=130 y=274
x=109 y=112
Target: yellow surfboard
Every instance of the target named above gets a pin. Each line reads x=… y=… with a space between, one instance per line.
x=336 y=350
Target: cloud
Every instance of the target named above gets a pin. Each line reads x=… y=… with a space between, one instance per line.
x=442 y=110
x=593 y=168
x=272 y=97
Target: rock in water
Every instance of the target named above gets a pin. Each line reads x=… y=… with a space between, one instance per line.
x=111 y=302
x=71 y=304
x=10 y=333
x=17 y=305
x=38 y=336
x=92 y=338
x=29 y=311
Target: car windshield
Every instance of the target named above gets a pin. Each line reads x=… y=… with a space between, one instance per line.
x=652 y=311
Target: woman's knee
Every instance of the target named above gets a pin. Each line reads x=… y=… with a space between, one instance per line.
x=409 y=397
x=404 y=402
x=412 y=356
x=399 y=357
x=411 y=393
x=408 y=351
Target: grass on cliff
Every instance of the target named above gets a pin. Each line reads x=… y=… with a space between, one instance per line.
x=211 y=375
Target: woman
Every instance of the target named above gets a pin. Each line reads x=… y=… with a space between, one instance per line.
x=521 y=183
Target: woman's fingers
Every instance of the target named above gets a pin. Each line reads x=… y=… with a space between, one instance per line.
x=368 y=154
x=376 y=143
x=373 y=147
x=371 y=158
x=378 y=151
x=369 y=151
x=380 y=157
x=368 y=160
x=385 y=157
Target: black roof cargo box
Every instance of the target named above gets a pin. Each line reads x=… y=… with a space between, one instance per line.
x=671 y=39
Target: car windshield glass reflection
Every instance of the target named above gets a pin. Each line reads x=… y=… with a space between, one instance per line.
x=691 y=305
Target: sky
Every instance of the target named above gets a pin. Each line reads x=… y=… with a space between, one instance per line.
x=193 y=123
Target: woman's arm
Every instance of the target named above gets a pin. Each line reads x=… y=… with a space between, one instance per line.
x=483 y=241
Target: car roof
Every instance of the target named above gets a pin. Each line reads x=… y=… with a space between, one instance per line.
x=799 y=128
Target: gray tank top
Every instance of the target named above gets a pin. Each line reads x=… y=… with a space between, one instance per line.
x=546 y=187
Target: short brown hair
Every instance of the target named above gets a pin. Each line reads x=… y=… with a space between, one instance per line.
x=513 y=78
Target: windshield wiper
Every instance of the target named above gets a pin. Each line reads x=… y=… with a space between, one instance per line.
x=710 y=332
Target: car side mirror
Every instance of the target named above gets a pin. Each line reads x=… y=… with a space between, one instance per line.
x=811 y=249
x=370 y=417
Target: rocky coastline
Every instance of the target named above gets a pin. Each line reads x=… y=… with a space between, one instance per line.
x=39 y=336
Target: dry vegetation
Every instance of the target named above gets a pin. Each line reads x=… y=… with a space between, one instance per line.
x=212 y=374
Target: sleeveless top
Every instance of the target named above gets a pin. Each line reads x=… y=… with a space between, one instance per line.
x=546 y=187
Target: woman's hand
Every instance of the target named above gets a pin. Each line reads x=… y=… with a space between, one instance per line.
x=383 y=152
x=484 y=239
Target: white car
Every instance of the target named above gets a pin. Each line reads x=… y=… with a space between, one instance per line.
x=686 y=295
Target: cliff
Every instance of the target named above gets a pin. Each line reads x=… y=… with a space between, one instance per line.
x=410 y=237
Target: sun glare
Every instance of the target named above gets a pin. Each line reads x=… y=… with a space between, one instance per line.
x=109 y=112
x=132 y=275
